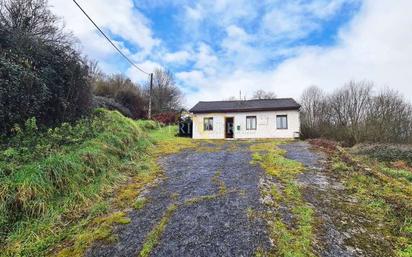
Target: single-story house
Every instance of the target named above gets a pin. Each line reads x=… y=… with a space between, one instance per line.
x=265 y=118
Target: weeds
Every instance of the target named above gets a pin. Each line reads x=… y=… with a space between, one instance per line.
x=383 y=198
x=153 y=237
x=290 y=239
x=63 y=176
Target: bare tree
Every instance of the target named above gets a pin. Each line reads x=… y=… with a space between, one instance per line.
x=349 y=107
x=313 y=111
x=123 y=91
x=166 y=96
x=389 y=119
x=354 y=114
x=262 y=94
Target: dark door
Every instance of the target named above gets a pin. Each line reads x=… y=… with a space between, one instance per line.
x=229 y=127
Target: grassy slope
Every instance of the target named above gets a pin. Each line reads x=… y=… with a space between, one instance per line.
x=383 y=193
x=54 y=186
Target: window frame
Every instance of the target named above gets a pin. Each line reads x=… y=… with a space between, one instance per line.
x=206 y=125
x=255 y=123
x=282 y=116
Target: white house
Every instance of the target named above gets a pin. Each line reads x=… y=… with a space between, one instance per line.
x=266 y=118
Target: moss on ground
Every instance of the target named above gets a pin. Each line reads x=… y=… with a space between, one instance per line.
x=154 y=235
x=383 y=201
x=290 y=239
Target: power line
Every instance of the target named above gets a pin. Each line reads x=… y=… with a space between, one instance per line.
x=110 y=41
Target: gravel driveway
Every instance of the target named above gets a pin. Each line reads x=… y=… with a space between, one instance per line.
x=213 y=191
x=215 y=187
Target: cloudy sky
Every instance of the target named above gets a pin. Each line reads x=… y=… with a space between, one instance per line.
x=217 y=48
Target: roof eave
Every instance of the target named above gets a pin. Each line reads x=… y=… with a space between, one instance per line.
x=245 y=110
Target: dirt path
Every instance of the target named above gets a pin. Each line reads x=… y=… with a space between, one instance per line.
x=213 y=192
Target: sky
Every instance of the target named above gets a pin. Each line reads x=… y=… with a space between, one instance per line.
x=218 y=48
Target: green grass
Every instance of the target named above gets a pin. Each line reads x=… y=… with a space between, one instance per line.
x=167 y=143
x=397 y=173
x=55 y=184
x=384 y=196
x=140 y=203
x=154 y=235
x=295 y=240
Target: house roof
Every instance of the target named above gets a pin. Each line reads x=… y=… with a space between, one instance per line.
x=246 y=105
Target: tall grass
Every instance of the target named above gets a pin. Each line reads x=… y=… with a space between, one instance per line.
x=47 y=179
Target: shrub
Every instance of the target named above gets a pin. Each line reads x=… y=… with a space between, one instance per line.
x=46 y=175
x=111 y=104
x=166 y=117
x=23 y=94
x=41 y=74
x=148 y=124
x=387 y=153
x=123 y=91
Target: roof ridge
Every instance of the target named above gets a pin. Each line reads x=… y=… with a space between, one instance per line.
x=280 y=98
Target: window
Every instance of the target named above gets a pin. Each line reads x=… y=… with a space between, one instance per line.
x=208 y=124
x=281 y=121
x=250 y=122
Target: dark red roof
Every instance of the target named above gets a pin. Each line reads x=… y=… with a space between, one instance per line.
x=246 y=105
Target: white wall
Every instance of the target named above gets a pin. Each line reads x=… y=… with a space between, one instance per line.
x=266 y=125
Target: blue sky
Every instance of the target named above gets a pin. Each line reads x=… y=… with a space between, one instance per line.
x=218 y=48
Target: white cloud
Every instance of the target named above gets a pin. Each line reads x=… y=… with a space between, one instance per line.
x=120 y=19
x=138 y=76
x=206 y=59
x=194 y=13
x=179 y=57
x=295 y=19
x=374 y=46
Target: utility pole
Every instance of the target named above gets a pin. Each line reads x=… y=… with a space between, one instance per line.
x=149 y=115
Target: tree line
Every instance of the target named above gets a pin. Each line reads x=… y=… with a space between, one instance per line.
x=355 y=113
x=44 y=76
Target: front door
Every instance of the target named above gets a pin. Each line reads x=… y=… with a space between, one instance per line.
x=229 y=127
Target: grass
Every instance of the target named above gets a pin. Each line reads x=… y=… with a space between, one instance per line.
x=140 y=203
x=154 y=235
x=220 y=183
x=101 y=230
x=290 y=239
x=167 y=143
x=64 y=188
x=384 y=197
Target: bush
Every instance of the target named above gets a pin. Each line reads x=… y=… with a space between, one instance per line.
x=148 y=124
x=23 y=94
x=46 y=175
x=166 y=117
x=41 y=74
x=123 y=91
x=387 y=153
x=111 y=104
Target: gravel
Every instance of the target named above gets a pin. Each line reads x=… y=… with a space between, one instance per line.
x=213 y=227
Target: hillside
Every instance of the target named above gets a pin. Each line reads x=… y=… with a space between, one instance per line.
x=49 y=179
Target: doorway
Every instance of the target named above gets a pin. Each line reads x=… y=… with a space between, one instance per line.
x=229 y=127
